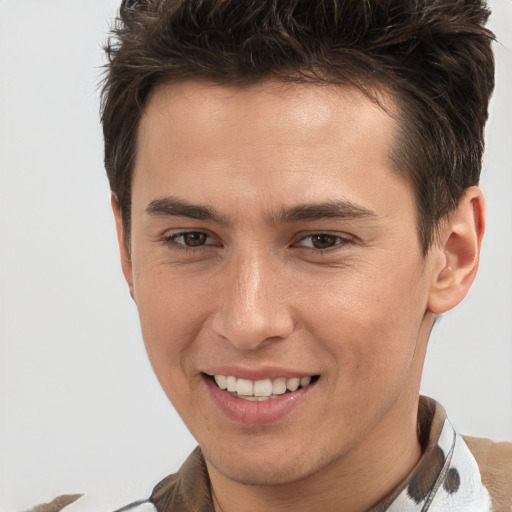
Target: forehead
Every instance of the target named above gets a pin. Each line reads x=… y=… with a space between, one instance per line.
x=204 y=140
x=295 y=110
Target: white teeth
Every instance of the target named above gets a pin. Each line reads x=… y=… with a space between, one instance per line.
x=293 y=384
x=244 y=387
x=279 y=386
x=261 y=389
x=305 y=381
x=231 y=383
x=221 y=381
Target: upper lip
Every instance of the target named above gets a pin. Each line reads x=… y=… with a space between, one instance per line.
x=259 y=373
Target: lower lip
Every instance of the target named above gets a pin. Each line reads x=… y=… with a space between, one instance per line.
x=256 y=413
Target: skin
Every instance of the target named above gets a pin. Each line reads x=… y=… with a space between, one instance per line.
x=345 y=296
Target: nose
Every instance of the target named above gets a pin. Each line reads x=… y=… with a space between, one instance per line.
x=253 y=307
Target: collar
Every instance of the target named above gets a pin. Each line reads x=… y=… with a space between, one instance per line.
x=446 y=478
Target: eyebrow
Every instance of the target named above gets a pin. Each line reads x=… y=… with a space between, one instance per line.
x=175 y=207
x=319 y=211
x=309 y=212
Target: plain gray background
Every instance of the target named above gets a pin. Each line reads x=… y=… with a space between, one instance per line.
x=80 y=409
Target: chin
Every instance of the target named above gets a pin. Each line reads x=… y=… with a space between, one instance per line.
x=261 y=475
x=266 y=467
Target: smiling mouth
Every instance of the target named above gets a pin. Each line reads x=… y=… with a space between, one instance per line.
x=261 y=390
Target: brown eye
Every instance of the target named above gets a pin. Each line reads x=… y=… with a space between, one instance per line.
x=187 y=239
x=323 y=241
x=194 y=238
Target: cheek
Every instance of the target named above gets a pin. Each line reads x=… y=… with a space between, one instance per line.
x=170 y=311
x=170 y=318
x=368 y=321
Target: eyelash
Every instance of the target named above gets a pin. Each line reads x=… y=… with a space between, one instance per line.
x=170 y=241
x=340 y=242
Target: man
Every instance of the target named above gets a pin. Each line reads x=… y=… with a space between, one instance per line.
x=295 y=192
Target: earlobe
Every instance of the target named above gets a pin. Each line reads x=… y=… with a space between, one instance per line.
x=458 y=252
x=126 y=260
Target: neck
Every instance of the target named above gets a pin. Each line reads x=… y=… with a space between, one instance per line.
x=358 y=480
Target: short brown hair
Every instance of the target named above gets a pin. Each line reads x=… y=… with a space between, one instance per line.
x=433 y=56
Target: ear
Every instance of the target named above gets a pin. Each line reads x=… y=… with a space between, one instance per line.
x=458 y=252
x=126 y=259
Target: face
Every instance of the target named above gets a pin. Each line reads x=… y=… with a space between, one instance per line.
x=275 y=250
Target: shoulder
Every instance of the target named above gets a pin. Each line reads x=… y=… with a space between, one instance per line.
x=495 y=463
x=186 y=490
x=57 y=504
x=86 y=503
